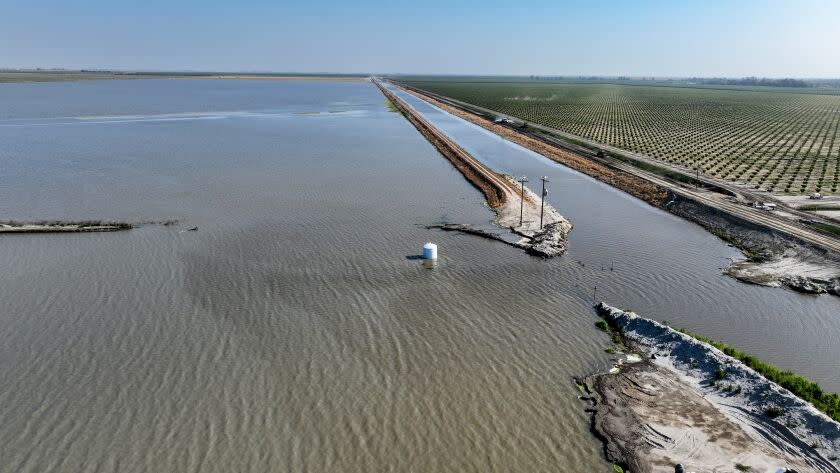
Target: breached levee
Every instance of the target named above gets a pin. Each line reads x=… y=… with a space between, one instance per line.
x=503 y=194
x=78 y=226
x=785 y=260
x=797 y=268
x=688 y=402
x=63 y=227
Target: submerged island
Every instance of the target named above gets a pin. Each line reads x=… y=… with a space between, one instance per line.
x=58 y=226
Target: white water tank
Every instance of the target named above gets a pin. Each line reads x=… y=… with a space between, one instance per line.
x=430 y=251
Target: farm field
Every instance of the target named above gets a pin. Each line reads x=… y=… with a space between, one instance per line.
x=777 y=140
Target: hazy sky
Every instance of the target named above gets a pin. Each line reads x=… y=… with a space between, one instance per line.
x=665 y=38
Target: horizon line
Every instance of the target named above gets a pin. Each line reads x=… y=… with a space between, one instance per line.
x=434 y=74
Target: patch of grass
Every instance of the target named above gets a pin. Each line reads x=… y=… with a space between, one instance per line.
x=390 y=106
x=827 y=227
x=742 y=467
x=580 y=143
x=652 y=168
x=809 y=391
x=773 y=412
x=813 y=207
x=720 y=374
x=615 y=336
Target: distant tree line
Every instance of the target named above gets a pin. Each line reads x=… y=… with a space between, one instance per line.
x=533 y=77
x=751 y=81
x=744 y=81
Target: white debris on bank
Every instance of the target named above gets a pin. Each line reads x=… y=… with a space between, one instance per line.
x=551 y=239
x=799 y=430
x=798 y=270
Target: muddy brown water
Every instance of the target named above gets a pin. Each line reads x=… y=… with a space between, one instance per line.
x=292 y=332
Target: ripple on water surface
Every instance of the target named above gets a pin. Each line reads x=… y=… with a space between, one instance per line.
x=291 y=331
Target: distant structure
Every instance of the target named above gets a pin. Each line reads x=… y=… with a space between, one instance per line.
x=430 y=251
x=765 y=205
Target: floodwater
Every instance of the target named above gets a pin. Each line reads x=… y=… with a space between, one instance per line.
x=292 y=332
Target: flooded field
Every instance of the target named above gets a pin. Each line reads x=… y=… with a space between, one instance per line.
x=291 y=331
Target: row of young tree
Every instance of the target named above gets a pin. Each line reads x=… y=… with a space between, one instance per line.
x=751 y=81
x=743 y=81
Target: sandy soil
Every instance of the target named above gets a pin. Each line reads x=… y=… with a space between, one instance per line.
x=655 y=421
x=664 y=410
x=550 y=240
x=801 y=271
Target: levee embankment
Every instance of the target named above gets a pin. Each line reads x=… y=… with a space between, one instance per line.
x=494 y=188
x=779 y=252
x=503 y=195
x=76 y=226
x=64 y=227
x=633 y=185
x=681 y=400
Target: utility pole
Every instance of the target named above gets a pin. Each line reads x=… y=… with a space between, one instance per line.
x=544 y=179
x=522 y=180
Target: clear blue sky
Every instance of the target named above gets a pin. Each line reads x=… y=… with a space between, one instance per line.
x=773 y=38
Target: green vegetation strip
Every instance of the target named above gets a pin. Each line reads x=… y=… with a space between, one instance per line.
x=615 y=335
x=812 y=207
x=827 y=228
x=809 y=391
x=652 y=168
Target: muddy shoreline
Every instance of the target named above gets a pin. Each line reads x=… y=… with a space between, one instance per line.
x=687 y=402
x=76 y=226
x=64 y=227
x=772 y=258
